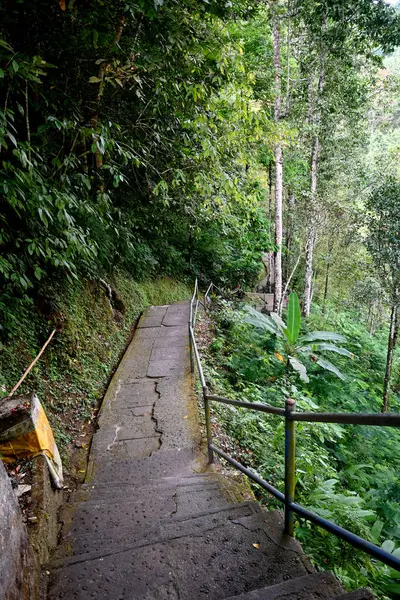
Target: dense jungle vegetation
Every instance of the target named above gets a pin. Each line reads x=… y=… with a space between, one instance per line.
x=147 y=142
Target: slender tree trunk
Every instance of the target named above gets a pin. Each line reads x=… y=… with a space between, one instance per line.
x=285 y=289
x=270 y=194
x=328 y=266
x=372 y=322
x=314 y=118
x=389 y=359
x=271 y=264
x=278 y=170
x=313 y=282
x=288 y=64
x=311 y=229
x=291 y=203
x=28 y=127
x=311 y=233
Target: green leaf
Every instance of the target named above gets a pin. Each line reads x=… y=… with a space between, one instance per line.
x=299 y=368
x=328 y=366
x=322 y=346
x=95 y=79
x=12 y=138
x=261 y=321
x=388 y=545
x=377 y=530
x=277 y=320
x=4 y=44
x=324 y=336
x=293 y=320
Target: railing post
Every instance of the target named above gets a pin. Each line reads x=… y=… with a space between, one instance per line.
x=191 y=348
x=208 y=425
x=290 y=468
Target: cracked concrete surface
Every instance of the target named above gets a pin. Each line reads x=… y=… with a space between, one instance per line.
x=152 y=522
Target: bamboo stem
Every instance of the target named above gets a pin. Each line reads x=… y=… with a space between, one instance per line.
x=32 y=364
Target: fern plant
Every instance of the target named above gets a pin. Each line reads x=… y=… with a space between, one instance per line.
x=295 y=347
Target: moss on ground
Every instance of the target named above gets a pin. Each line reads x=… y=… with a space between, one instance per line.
x=71 y=377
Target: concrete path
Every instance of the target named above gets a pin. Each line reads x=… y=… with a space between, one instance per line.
x=151 y=521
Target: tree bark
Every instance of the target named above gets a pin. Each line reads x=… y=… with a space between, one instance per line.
x=278 y=170
x=311 y=228
x=311 y=233
x=389 y=359
x=314 y=118
x=289 y=234
x=328 y=266
x=271 y=267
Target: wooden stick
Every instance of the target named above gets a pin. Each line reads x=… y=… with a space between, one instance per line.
x=32 y=364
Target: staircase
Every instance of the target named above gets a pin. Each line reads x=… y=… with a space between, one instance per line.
x=152 y=521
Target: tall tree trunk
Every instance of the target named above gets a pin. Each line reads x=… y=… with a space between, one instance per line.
x=291 y=203
x=311 y=228
x=389 y=358
x=328 y=266
x=287 y=108
x=271 y=267
x=314 y=118
x=278 y=170
x=311 y=233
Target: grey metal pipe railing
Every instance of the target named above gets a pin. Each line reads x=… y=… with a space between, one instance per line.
x=379 y=419
x=291 y=416
x=250 y=474
x=258 y=406
x=196 y=354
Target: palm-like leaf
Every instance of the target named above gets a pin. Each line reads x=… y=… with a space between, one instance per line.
x=328 y=366
x=293 y=320
x=299 y=368
x=278 y=321
x=322 y=346
x=309 y=344
x=265 y=322
x=323 y=336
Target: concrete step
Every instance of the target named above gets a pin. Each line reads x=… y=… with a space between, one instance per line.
x=316 y=586
x=102 y=539
x=87 y=517
x=99 y=492
x=213 y=556
x=176 y=462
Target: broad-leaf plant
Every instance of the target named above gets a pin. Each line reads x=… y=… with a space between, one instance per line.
x=294 y=348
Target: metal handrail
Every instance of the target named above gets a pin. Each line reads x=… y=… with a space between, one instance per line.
x=290 y=416
x=379 y=419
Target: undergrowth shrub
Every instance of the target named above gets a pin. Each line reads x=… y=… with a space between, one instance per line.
x=348 y=474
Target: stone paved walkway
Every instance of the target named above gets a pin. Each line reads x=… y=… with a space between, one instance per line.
x=151 y=521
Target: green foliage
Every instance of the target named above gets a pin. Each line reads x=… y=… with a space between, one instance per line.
x=306 y=346
x=348 y=474
x=71 y=376
x=384 y=234
x=126 y=135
